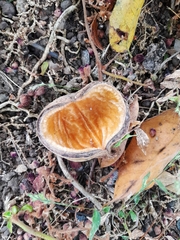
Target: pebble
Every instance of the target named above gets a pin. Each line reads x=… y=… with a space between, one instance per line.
x=70 y=35
x=65 y=4
x=4 y=232
x=146 y=103
x=8 y=176
x=149 y=64
x=8 y=9
x=3 y=25
x=3 y=97
x=21 y=6
x=14 y=184
x=85 y=57
x=81 y=37
x=178 y=224
x=175 y=61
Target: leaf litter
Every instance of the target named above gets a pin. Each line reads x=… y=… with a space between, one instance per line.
x=58 y=201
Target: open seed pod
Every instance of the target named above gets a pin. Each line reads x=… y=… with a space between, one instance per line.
x=86 y=124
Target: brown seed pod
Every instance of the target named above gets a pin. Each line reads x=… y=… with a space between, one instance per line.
x=86 y=124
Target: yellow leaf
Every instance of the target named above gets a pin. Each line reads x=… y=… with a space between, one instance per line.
x=123 y=22
x=164 y=134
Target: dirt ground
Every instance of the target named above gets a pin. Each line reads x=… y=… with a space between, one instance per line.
x=44 y=56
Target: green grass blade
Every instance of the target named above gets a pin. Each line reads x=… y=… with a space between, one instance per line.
x=96 y=219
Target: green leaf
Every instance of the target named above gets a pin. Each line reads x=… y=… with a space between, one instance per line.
x=162 y=187
x=40 y=197
x=14 y=210
x=121 y=214
x=27 y=208
x=136 y=199
x=177 y=157
x=9 y=226
x=106 y=209
x=177 y=187
x=7 y=214
x=144 y=182
x=44 y=67
x=127 y=136
x=96 y=219
x=133 y=215
x=125 y=238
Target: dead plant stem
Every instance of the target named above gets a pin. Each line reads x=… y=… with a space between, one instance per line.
x=28 y=229
x=98 y=62
x=123 y=78
x=52 y=38
x=77 y=185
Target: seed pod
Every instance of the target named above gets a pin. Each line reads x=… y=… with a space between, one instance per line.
x=86 y=124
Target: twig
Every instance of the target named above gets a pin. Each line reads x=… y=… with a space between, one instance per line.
x=9 y=102
x=41 y=48
x=124 y=78
x=6 y=78
x=107 y=64
x=26 y=228
x=77 y=185
x=4 y=104
x=167 y=60
x=91 y=172
x=98 y=62
x=52 y=38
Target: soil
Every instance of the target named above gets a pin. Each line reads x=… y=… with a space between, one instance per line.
x=36 y=67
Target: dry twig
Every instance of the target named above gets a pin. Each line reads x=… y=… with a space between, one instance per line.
x=123 y=78
x=98 y=62
x=52 y=38
x=77 y=185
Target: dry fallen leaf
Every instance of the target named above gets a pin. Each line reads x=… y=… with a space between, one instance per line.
x=142 y=139
x=172 y=80
x=136 y=234
x=95 y=33
x=171 y=182
x=123 y=23
x=134 y=111
x=164 y=134
x=20 y=168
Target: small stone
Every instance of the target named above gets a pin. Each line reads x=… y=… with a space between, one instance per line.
x=81 y=37
x=178 y=224
x=8 y=176
x=85 y=57
x=3 y=25
x=3 y=97
x=21 y=6
x=175 y=61
x=8 y=9
x=65 y=4
x=21 y=168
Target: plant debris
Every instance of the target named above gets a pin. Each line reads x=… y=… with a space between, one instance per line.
x=54 y=49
